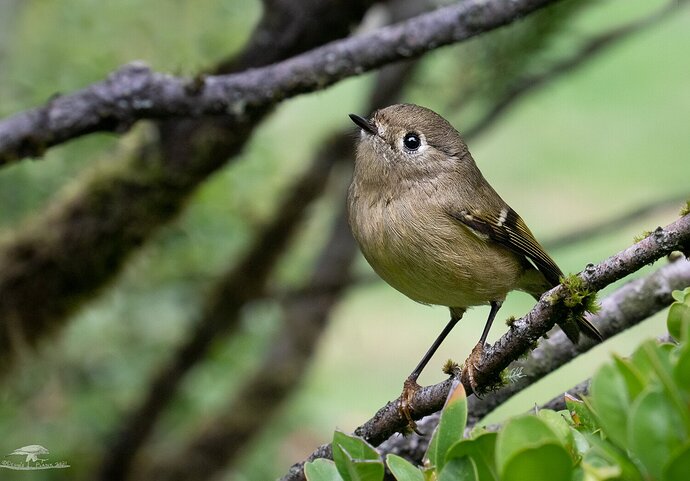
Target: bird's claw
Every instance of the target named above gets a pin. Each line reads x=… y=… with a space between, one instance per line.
x=471 y=369
x=409 y=389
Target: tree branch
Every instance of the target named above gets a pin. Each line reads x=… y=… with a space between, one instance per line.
x=306 y=315
x=229 y=433
x=629 y=305
x=80 y=243
x=134 y=92
x=524 y=332
x=242 y=283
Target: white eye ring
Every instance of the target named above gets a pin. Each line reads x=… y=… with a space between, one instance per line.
x=412 y=141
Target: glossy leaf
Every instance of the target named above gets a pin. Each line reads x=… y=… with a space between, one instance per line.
x=611 y=401
x=355 y=459
x=680 y=295
x=402 y=469
x=459 y=469
x=678 y=322
x=481 y=450
x=678 y=466
x=655 y=430
x=520 y=433
x=450 y=427
x=613 y=456
x=581 y=443
x=582 y=417
x=557 y=423
x=681 y=370
x=632 y=376
x=351 y=469
x=321 y=470
x=547 y=462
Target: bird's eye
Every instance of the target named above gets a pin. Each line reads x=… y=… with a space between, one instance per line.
x=411 y=141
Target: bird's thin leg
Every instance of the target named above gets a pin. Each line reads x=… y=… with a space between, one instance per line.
x=478 y=351
x=410 y=386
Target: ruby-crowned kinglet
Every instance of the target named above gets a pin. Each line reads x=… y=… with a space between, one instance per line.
x=433 y=228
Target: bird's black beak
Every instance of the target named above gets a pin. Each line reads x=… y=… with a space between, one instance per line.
x=364 y=124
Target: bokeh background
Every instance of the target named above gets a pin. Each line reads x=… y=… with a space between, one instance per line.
x=610 y=136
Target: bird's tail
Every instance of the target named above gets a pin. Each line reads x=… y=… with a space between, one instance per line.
x=572 y=326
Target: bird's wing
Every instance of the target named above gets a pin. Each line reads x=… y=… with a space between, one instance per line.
x=508 y=229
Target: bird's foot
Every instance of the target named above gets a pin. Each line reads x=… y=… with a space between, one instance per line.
x=409 y=389
x=471 y=370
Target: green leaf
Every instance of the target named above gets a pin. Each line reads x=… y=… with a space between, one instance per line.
x=655 y=430
x=520 y=433
x=561 y=428
x=611 y=401
x=459 y=469
x=681 y=370
x=602 y=473
x=402 y=469
x=321 y=470
x=679 y=295
x=603 y=449
x=678 y=466
x=352 y=469
x=678 y=322
x=633 y=378
x=581 y=443
x=355 y=459
x=481 y=450
x=582 y=417
x=450 y=427
x=659 y=356
x=547 y=462
x=356 y=447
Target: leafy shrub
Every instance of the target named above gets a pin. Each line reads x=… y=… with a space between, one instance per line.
x=634 y=426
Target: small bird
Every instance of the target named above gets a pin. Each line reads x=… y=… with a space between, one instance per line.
x=433 y=228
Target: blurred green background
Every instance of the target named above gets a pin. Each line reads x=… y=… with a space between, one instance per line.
x=609 y=137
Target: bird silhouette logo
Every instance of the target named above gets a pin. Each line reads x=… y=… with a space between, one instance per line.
x=33 y=460
x=31 y=452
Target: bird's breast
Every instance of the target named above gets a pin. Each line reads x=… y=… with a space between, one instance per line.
x=410 y=241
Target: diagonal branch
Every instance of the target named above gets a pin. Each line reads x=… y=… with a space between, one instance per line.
x=629 y=305
x=228 y=434
x=134 y=92
x=523 y=333
x=241 y=284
